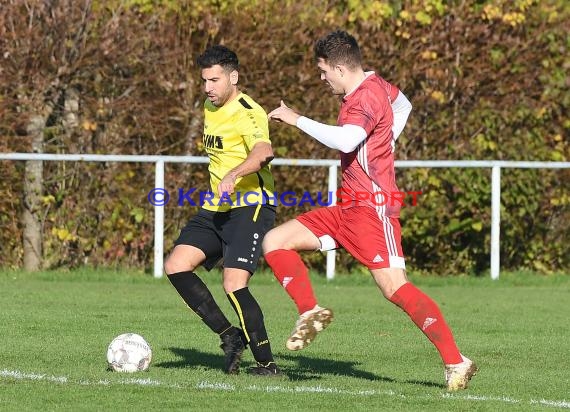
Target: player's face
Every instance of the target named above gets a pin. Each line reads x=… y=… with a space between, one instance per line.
x=331 y=75
x=219 y=84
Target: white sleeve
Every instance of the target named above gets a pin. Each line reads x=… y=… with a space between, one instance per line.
x=344 y=138
x=401 y=107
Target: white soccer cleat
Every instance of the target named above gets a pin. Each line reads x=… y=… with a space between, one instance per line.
x=308 y=325
x=458 y=375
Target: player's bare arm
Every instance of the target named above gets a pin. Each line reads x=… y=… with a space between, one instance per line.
x=284 y=114
x=261 y=154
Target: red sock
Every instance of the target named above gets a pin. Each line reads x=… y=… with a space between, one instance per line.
x=293 y=275
x=426 y=315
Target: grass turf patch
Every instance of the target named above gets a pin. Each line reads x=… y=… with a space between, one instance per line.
x=56 y=327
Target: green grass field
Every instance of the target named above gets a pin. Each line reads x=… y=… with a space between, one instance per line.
x=55 y=328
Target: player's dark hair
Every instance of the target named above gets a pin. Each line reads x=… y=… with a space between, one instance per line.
x=339 y=47
x=218 y=55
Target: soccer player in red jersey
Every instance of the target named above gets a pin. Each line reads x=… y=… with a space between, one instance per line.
x=366 y=222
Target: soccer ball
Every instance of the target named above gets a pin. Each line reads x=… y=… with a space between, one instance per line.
x=129 y=352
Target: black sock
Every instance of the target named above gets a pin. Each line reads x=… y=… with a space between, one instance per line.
x=198 y=298
x=251 y=320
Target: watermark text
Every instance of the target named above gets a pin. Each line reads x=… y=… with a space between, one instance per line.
x=192 y=197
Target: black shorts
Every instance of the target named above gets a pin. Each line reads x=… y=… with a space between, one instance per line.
x=234 y=236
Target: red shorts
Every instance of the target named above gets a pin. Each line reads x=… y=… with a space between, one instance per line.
x=374 y=240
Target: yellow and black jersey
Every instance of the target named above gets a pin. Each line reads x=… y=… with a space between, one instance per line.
x=230 y=132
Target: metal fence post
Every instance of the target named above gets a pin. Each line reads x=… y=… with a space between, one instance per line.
x=495 y=222
x=331 y=254
x=159 y=222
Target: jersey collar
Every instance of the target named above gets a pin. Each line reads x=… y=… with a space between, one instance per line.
x=367 y=75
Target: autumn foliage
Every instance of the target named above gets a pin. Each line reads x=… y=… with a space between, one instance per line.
x=487 y=79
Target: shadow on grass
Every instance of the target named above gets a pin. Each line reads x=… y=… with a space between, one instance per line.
x=192 y=358
x=426 y=383
x=306 y=368
x=309 y=368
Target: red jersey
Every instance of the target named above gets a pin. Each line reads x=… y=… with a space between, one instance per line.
x=368 y=175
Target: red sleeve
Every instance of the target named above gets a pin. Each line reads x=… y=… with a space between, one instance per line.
x=368 y=109
x=390 y=88
x=393 y=91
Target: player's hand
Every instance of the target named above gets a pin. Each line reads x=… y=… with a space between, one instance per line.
x=227 y=185
x=284 y=114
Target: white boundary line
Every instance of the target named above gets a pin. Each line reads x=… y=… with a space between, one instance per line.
x=221 y=386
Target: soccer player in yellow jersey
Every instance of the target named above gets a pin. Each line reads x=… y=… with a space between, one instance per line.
x=228 y=226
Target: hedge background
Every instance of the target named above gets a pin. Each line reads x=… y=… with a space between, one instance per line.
x=487 y=79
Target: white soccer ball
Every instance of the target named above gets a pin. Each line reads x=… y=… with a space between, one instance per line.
x=129 y=352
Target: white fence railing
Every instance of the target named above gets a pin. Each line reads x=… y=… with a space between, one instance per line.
x=160 y=161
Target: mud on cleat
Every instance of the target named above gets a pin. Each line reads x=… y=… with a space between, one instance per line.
x=457 y=376
x=309 y=324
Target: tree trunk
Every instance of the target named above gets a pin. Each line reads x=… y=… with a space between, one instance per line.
x=33 y=182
